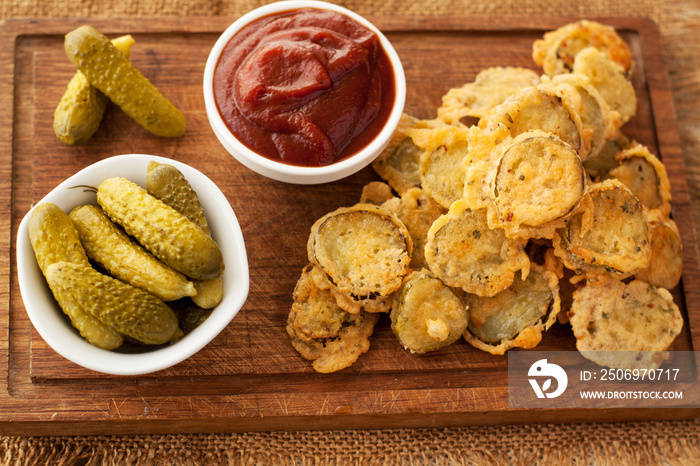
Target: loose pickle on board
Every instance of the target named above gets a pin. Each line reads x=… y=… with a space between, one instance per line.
x=131 y=311
x=112 y=73
x=54 y=239
x=79 y=113
x=167 y=183
x=124 y=258
x=169 y=235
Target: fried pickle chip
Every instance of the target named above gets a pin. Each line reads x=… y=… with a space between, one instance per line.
x=365 y=250
x=600 y=164
x=554 y=110
x=597 y=121
x=323 y=333
x=441 y=163
x=347 y=301
x=465 y=253
x=666 y=263
x=616 y=243
x=376 y=192
x=316 y=314
x=398 y=163
x=515 y=317
x=611 y=82
x=625 y=326
x=557 y=50
x=645 y=176
x=491 y=87
x=417 y=210
x=539 y=179
x=427 y=314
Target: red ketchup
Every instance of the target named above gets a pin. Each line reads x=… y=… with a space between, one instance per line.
x=305 y=87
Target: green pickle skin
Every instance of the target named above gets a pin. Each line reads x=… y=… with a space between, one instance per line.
x=79 y=113
x=167 y=234
x=111 y=72
x=167 y=183
x=55 y=240
x=125 y=259
x=131 y=311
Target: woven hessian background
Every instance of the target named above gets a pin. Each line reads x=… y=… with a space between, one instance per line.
x=670 y=442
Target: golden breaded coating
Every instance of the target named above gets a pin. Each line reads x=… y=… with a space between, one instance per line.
x=365 y=250
x=666 y=263
x=617 y=242
x=323 y=333
x=427 y=314
x=645 y=176
x=465 y=253
x=398 y=163
x=515 y=317
x=599 y=165
x=441 y=162
x=557 y=50
x=538 y=179
x=376 y=192
x=597 y=121
x=491 y=87
x=611 y=82
x=417 y=210
x=552 y=109
x=347 y=301
x=625 y=326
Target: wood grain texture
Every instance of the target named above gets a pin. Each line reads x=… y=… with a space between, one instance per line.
x=249 y=377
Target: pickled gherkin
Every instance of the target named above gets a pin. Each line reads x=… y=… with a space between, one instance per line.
x=167 y=234
x=131 y=311
x=79 y=113
x=167 y=183
x=124 y=258
x=111 y=72
x=55 y=239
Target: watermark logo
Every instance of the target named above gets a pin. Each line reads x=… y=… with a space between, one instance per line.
x=542 y=369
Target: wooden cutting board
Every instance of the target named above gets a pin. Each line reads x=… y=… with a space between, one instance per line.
x=250 y=377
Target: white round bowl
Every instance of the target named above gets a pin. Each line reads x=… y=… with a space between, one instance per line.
x=290 y=173
x=53 y=326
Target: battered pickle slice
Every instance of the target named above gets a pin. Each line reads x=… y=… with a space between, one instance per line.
x=427 y=314
x=398 y=163
x=597 y=122
x=645 y=176
x=542 y=109
x=515 y=317
x=616 y=243
x=666 y=262
x=490 y=88
x=347 y=301
x=626 y=326
x=611 y=82
x=465 y=253
x=365 y=250
x=322 y=332
x=417 y=210
x=441 y=167
x=538 y=179
x=557 y=50
x=604 y=161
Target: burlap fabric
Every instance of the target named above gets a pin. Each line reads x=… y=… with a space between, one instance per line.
x=672 y=442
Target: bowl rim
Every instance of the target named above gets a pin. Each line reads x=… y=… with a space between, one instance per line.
x=292 y=173
x=68 y=343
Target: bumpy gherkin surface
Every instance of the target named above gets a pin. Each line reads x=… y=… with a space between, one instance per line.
x=54 y=240
x=168 y=184
x=112 y=73
x=169 y=235
x=131 y=311
x=124 y=258
x=79 y=113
